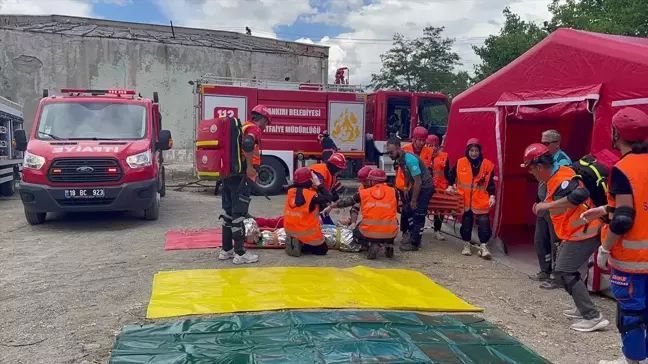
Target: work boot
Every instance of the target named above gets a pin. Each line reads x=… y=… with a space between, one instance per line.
x=246 y=258
x=467 y=250
x=541 y=276
x=409 y=247
x=293 y=247
x=406 y=239
x=389 y=251
x=550 y=284
x=439 y=236
x=372 y=252
x=590 y=325
x=226 y=254
x=572 y=313
x=483 y=251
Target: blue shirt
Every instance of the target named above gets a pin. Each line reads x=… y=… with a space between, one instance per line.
x=412 y=164
x=560 y=159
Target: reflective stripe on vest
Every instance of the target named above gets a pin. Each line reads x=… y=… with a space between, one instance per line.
x=426 y=155
x=300 y=223
x=378 y=206
x=473 y=189
x=439 y=162
x=630 y=252
x=566 y=221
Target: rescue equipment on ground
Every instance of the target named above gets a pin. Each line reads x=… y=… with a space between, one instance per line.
x=218 y=148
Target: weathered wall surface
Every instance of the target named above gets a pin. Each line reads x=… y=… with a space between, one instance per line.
x=33 y=61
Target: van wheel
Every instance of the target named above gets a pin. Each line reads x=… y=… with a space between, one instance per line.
x=35 y=218
x=8 y=188
x=271 y=178
x=153 y=212
x=162 y=183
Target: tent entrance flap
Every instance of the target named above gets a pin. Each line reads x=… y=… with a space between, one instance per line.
x=524 y=125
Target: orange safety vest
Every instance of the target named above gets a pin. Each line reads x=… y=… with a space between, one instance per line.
x=300 y=223
x=256 y=159
x=473 y=189
x=329 y=179
x=426 y=156
x=630 y=252
x=438 y=171
x=566 y=221
x=378 y=206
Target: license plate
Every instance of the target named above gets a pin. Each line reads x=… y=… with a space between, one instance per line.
x=85 y=193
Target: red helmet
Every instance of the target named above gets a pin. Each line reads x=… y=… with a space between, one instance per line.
x=263 y=110
x=338 y=160
x=377 y=175
x=302 y=175
x=363 y=173
x=432 y=139
x=533 y=152
x=472 y=141
x=631 y=124
x=420 y=133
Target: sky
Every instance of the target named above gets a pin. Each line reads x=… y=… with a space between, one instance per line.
x=357 y=31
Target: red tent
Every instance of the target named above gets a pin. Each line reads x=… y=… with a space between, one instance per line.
x=573 y=81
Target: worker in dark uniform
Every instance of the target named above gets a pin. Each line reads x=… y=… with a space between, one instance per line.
x=236 y=193
x=328 y=145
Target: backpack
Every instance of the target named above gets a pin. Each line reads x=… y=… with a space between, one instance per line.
x=594 y=175
x=218 y=148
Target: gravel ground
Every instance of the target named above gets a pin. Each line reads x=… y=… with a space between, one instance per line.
x=67 y=287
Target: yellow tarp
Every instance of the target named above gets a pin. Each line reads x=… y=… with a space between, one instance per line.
x=209 y=291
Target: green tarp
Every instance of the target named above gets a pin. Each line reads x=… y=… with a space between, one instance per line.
x=322 y=337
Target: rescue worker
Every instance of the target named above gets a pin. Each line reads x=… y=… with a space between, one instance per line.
x=473 y=178
x=418 y=148
x=327 y=172
x=418 y=192
x=236 y=193
x=379 y=209
x=545 y=237
x=567 y=198
x=626 y=230
x=328 y=145
x=363 y=175
x=301 y=214
x=440 y=167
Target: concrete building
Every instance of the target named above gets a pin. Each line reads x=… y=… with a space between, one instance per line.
x=54 y=52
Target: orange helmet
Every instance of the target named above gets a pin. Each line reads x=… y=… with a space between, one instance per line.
x=533 y=152
x=420 y=133
x=338 y=160
x=363 y=173
x=377 y=175
x=263 y=111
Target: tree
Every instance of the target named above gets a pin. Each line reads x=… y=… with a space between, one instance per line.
x=621 y=17
x=423 y=64
x=515 y=38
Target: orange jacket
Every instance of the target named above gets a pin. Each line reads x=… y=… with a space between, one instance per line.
x=472 y=189
x=566 y=221
x=425 y=155
x=630 y=252
x=300 y=223
x=256 y=159
x=329 y=179
x=438 y=171
x=378 y=208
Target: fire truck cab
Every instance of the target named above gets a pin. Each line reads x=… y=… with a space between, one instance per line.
x=93 y=150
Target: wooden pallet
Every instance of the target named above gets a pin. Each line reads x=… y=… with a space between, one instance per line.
x=444 y=203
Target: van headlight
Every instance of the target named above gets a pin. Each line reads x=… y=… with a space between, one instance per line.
x=33 y=161
x=140 y=160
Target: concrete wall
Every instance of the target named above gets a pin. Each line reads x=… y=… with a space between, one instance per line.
x=33 y=61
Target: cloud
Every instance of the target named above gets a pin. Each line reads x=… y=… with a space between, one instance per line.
x=114 y=2
x=46 y=7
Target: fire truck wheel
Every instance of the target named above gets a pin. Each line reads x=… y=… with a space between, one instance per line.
x=162 y=182
x=153 y=212
x=272 y=176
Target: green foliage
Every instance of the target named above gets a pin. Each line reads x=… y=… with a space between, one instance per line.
x=423 y=64
x=621 y=17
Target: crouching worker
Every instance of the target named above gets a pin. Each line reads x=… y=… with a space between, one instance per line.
x=301 y=214
x=566 y=199
x=378 y=206
x=363 y=175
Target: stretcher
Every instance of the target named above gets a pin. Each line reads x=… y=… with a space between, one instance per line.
x=442 y=203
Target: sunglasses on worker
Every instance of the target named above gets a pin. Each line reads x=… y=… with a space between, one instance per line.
x=548 y=143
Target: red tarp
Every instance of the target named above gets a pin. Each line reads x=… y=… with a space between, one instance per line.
x=573 y=81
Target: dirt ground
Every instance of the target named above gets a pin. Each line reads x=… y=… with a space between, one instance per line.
x=67 y=287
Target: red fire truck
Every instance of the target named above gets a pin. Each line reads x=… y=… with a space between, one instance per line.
x=359 y=123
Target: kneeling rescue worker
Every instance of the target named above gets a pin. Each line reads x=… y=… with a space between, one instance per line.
x=301 y=214
x=327 y=173
x=379 y=209
x=473 y=178
x=236 y=192
x=625 y=236
x=363 y=178
x=566 y=199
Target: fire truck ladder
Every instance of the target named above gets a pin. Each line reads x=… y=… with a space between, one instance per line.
x=213 y=80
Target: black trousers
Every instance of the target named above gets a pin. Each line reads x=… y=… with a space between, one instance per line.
x=362 y=240
x=544 y=241
x=438 y=222
x=321 y=249
x=483 y=227
x=413 y=221
x=236 y=203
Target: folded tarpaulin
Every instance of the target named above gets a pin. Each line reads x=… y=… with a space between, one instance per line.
x=322 y=337
x=209 y=291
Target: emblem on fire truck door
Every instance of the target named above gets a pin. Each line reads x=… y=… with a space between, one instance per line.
x=204 y=159
x=213 y=128
x=345 y=127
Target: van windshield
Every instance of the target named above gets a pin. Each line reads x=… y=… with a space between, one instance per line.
x=92 y=121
